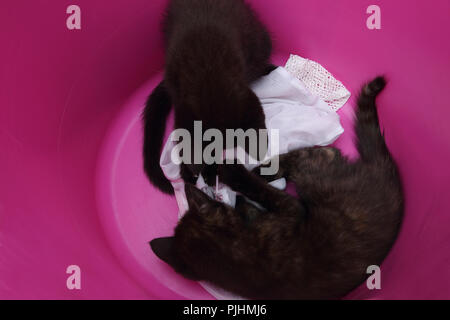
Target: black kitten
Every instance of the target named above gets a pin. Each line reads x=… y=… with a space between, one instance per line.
x=318 y=247
x=214 y=50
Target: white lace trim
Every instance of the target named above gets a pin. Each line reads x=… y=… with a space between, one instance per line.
x=319 y=81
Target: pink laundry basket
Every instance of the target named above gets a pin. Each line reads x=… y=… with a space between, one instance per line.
x=72 y=188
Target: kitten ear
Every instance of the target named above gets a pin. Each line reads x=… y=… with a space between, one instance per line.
x=163 y=249
x=195 y=197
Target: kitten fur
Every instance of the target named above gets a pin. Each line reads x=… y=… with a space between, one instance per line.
x=214 y=50
x=317 y=246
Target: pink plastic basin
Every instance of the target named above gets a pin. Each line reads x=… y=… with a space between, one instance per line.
x=72 y=189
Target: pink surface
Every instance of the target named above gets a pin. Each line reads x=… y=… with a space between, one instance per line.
x=71 y=186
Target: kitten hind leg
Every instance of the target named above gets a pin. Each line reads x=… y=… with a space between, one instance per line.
x=320 y=174
x=315 y=158
x=314 y=171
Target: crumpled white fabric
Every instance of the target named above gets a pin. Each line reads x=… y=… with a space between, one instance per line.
x=300 y=114
x=303 y=120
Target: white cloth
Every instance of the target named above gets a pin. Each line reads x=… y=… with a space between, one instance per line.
x=302 y=118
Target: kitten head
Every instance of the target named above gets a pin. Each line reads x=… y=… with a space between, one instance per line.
x=236 y=107
x=197 y=243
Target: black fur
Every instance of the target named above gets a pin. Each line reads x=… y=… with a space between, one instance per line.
x=155 y=117
x=214 y=50
x=318 y=247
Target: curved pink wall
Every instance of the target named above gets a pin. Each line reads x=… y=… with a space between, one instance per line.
x=63 y=92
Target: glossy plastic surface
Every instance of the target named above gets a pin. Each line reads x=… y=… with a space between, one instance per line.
x=72 y=191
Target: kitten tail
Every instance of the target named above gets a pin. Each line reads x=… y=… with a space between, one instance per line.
x=370 y=141
x=155 y=116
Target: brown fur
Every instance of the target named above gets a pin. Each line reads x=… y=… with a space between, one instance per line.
x=316 y=247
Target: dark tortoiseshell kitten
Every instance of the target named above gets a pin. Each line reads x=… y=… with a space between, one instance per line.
x=214 y=50
x=318 y=247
